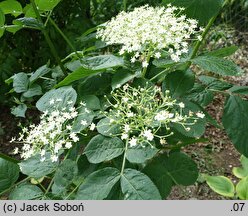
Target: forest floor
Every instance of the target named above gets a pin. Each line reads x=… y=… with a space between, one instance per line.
x=215 y=157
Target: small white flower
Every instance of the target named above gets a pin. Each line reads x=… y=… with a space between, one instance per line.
x=54 y=158
x=52 y=101
x=199 y=37
x=111 y=120
x=74 y=114
x=74 y=137
x=125 y=99
x=157 y=55
x=200 y=115
x=69 y=102
x=126 y=128
x=43 y=152
x=68 y=145
x=181 y=105
x=133 y=142
x=86 y=110
x=148 y=134
x=124 y=136
x=68 y=127
x=58 y=100
x=42 y=159
x=162 y=141
x=92 y=126
x=13 y=139
x=125 y=87
x=130 y=114
x=82 y=103
x=145 y=64
x=16 y=150
x=84 y=122
x=133 y=59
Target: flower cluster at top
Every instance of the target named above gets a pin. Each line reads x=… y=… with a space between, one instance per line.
x=146 y=31
x=141 y=112
x=53 y=134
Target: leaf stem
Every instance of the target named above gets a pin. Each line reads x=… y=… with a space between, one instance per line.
x=14 y=185
x=65 y=37
x=125 y=5
x=10 y=159
x=145 y=68
x=48 y=40
x=204 y=34
x=124 y=157
x=68 y=196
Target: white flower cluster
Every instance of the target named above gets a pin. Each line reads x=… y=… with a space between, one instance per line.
x=141 y=112
x=53 y=134
x=146 y=31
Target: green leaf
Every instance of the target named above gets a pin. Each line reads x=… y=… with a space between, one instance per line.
x=220 y=185
x=102 y=148
x=92 y=101
x=29 y=22
x=2 y=21
x=2 y=18
x=64 y=175
x=235 y=120
x=102 y=62
x=241 y=172
x=140 y=154
x=77 y=75
x=65 y=93
x=243 y=90
x=86 y=116
x=8 y=175
x=29 y=11
x=33 y=90
x=137 y=186
x=2 y=29
x=46 y=5
x=108 y=128
x=11 y=7
x=200 y=95
x=198 y=128
x=164 y=63
x=218 y=65
x=19 y=111
x=179 y=83
x=242 y=189
x=43 y=70
x=201 y=10
x=74 y=65
x=223 y=52
x=13 y=28
x=212 y=83
x=98 y=185
x=33 y=167
x=20 y=82
x=85 y=168
x=177 y=168
x=26 y=192
x=121 y=77
x=99 y=84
